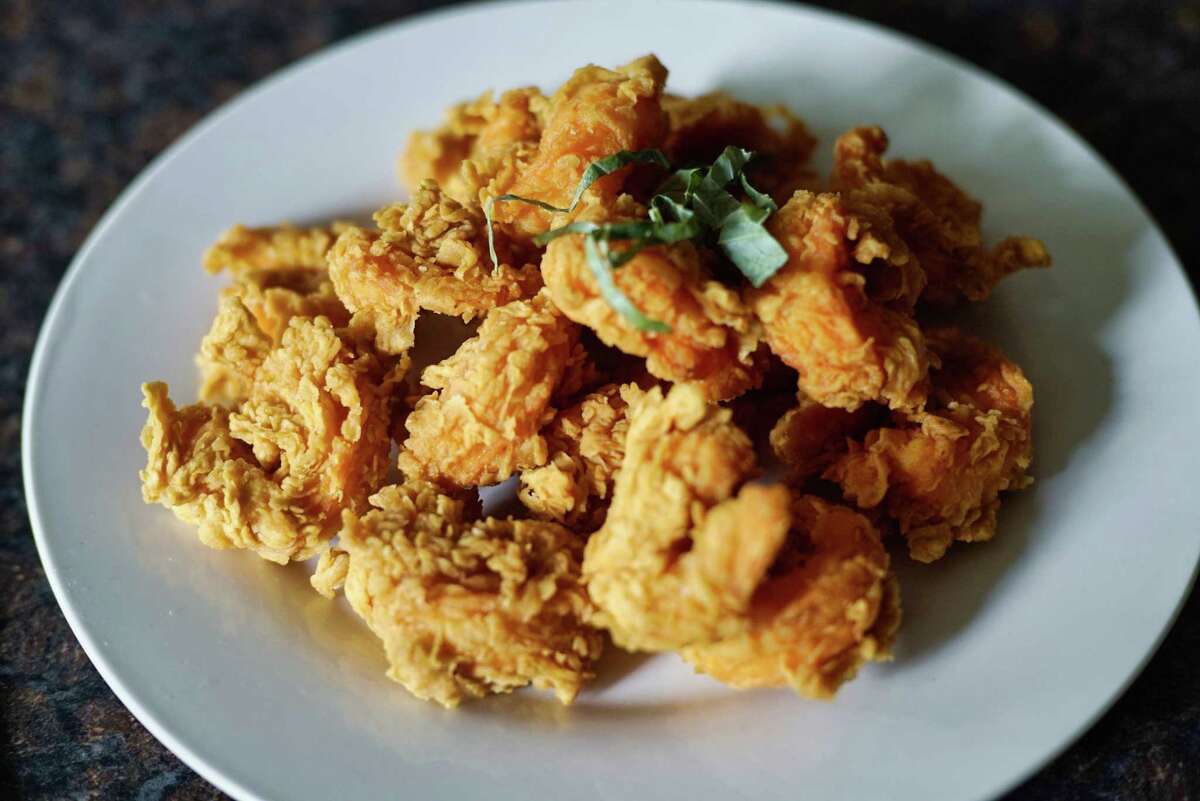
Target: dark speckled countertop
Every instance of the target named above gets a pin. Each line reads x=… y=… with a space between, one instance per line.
x=90 y=92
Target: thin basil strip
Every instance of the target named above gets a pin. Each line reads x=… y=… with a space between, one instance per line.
x=594 y=172
x=602 y=268
x=487 y=218
x=610 y=164
x=760 y=199
x=729 y=165
x=749 y=245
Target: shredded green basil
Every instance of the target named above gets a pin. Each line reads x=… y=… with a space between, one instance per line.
x=692 y=204
x=594 y=172
x=601 y=260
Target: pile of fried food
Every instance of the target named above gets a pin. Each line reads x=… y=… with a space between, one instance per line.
x=714 y=422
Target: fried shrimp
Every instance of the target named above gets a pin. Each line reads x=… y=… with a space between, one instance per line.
x=827 y=606
x=935 y=217
x=939 y=472
x=491 y=397
x=477 y=138
x=682 y=548
x=273 y=475
x=597 y=113
x=819 y=318
x=713 y=338
x=467 y=607
x=648 y=289
x=586 y=445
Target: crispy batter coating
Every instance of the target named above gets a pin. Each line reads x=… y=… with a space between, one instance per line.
x=330 y=573
x=713 y=338
x=231 y=352
x=810 y=437
x=701 y=127
x=432 y=254
x=595 y=114
x=492 y=396
x=275 y=296
x=273 y=475
x=468 y=607
x=278 y=273
x=242 y=250
x=682 y=550
x=827 y=606
x=819 y=318
x=939 y=221
x=476 y=138
x=253 y=313
x=586 y=445
x=939 y=472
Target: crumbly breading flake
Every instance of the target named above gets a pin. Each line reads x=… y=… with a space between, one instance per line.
x=330 y=572
x=242 y=250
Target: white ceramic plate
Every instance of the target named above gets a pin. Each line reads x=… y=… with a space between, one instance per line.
x=1009 y=650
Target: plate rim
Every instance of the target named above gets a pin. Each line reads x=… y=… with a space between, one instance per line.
x=35 y=378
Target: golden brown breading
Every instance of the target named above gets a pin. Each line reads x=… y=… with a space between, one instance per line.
x=231 y=352
x=939 y=472
x=466 y=608
x=278 y=273
x=432 y=254
x=936 y=218
x=819 y=318
x=273 y=475
x=597 y=113
x=330 y=572
x=682 y=550
x=809 y=437
x=243 y=250
x=253 y=314
x=275 y=296
x=476 y=138
x=586 y=445
x=701 y=127
x=493 y=395
x=713 y=338
x=828 y=606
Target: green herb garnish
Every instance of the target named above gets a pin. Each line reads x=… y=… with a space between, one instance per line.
x=692 y=204
x=594 y=172
x=602 y=262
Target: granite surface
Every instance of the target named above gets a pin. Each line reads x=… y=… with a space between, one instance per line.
x=90 y=92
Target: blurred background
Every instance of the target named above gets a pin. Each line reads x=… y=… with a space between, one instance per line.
x=90 y=92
